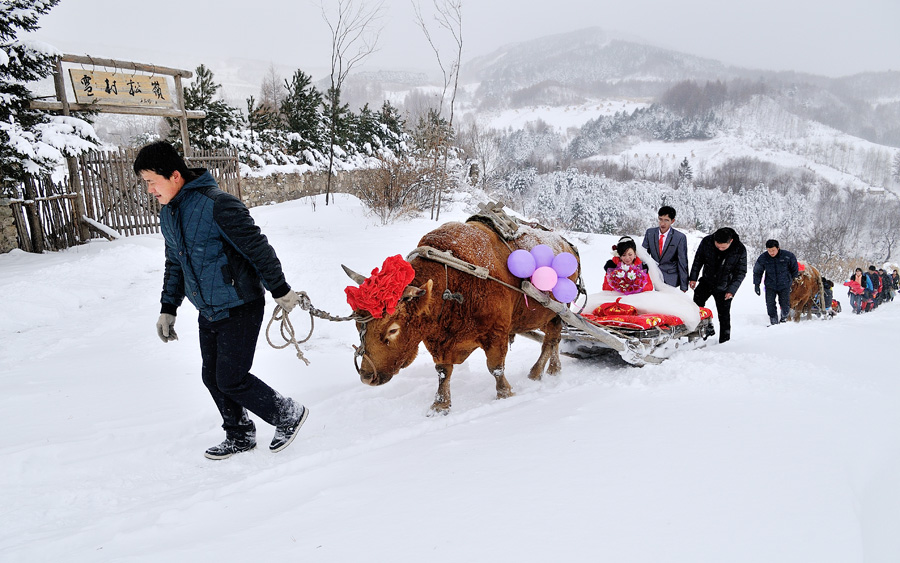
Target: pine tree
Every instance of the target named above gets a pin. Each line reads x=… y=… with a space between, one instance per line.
x=394 y=136
x=31 y=141
x=260 y=116
x=685 y=174
x=367 y=130
x=208 y=132
x=301 y=113
x=338 y=119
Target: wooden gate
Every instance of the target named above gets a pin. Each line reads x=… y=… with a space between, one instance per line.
x=116 y=198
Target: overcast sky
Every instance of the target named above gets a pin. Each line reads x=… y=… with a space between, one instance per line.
x=830 y=37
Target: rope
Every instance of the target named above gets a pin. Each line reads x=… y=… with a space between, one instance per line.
x=286 y=328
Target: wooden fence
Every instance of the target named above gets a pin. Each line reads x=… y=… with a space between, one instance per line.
x=114 y=197
x=45 y=217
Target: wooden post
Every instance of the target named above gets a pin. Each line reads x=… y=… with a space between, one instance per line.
x=71 y=164
x=33 y=214
x=185 y=140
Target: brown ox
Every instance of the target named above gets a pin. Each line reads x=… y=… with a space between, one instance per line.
x=804 y=290
x=488 y=317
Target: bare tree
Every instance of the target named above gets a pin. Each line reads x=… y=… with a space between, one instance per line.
x=483 y=146
x=271 y=90
x=448 y=16
x=353 y=38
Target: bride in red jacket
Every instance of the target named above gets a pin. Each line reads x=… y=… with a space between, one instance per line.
x=626 y=273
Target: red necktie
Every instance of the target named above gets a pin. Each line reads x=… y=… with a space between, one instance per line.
x=662 y=238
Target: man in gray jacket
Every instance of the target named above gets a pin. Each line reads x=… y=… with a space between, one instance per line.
x=668 y=248
x=780 y=268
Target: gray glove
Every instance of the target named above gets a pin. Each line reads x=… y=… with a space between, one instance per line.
x=288 y=301
x=165 y=327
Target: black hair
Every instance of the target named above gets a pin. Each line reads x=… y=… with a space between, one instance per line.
x=723 y=235
x=772 y=243
x=162 y=158
x=667 y=210
x=872 y=269
x=624 y=244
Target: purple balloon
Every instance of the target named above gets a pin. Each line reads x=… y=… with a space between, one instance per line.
x=565 y=290
x=544 y=278
x=565 y=264
x=543 y=255
x=520 y=263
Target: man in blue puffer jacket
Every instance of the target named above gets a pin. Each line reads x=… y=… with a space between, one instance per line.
x=780 y=268
x=217 y=257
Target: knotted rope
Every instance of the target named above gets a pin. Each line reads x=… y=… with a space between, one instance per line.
x=286 y=328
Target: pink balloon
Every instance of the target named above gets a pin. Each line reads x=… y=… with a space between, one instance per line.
x=565 y=290
x=565 y=264
x=520 y=263
x=544 y=278
x=543 y=255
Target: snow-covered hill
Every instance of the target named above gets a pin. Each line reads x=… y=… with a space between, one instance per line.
x=781 y=445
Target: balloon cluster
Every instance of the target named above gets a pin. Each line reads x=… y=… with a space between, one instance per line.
x=548 y=271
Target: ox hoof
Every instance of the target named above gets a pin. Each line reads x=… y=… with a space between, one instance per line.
x=436 y=409
x=535 y=376
x=505 y=394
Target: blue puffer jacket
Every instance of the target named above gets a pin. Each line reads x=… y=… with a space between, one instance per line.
x=780 y=271
x=215 y=253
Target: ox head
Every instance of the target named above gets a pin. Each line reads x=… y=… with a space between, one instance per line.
x=390 y=343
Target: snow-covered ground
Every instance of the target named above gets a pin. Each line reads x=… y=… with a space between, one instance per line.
x=782 y=445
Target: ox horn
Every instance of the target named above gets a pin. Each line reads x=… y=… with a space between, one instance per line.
x=358 y=278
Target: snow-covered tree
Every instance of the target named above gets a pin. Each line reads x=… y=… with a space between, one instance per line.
x=31 y=142
x=300 y=110
x=208 y=132
x=685 y=173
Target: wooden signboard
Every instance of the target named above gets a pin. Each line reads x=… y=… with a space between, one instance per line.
x=120 y=89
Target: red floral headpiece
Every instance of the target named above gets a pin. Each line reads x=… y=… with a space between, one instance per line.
x=381 y=291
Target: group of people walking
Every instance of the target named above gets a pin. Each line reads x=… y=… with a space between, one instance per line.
x=718 y=269
x=869 y=289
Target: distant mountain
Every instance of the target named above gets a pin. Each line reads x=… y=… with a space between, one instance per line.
x=589 y=62
x=571 y=68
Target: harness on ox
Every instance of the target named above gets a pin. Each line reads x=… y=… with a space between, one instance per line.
x=493 y=216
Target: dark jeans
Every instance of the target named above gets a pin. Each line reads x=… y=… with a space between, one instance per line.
x=702 y=293
x=856 y=302
x=784 y=301
x=227 y=348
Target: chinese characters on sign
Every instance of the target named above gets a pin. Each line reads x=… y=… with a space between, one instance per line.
x=121 y=89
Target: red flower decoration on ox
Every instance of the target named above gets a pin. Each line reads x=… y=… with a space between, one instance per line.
x=381 y=291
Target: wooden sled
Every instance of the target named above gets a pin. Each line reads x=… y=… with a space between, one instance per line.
x=583 y=338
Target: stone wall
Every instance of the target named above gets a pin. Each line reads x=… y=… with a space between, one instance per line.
x=8 y=239
x=286 y=187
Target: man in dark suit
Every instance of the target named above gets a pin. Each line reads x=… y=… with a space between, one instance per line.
x=668 y=248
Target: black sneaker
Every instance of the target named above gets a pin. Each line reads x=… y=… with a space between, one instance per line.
x=284 y=435
x=228 y=448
